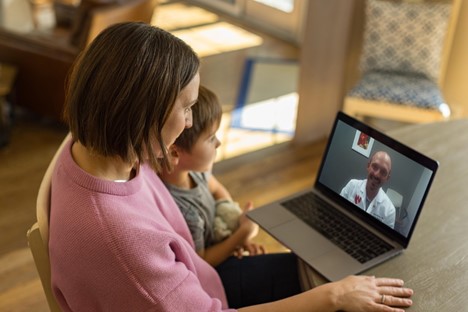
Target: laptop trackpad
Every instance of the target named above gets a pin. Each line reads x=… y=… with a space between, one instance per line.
x=302 y=239
x=271 y=216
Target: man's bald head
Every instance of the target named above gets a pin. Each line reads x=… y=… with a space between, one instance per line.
x=378 y=171
x=381 y=155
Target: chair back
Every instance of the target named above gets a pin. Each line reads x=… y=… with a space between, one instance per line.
x=405 y=51
x=409 y=36
x=448 y=41
x=103 y=17
x=38 y=234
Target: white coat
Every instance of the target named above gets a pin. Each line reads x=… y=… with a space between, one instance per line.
x=381 y=207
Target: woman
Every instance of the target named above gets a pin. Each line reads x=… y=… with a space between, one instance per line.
x=118 y=242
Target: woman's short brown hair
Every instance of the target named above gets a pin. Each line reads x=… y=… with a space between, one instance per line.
x=205 y=113
x=123 y=88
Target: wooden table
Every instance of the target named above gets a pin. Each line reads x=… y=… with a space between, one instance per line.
x=435 y=265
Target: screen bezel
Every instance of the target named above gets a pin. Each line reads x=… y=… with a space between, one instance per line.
x=397 y=146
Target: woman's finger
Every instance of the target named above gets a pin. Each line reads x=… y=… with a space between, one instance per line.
x=392 y=301
x=396 y=291
x=383 y=281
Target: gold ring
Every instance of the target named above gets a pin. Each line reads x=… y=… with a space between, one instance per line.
x=382 y=299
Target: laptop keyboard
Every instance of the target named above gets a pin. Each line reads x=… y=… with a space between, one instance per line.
x=355 y=240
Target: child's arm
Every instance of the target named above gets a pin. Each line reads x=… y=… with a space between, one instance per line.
x=219 y=252
x=217 y=189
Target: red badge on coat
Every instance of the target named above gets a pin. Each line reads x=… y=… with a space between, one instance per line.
x=357 y=199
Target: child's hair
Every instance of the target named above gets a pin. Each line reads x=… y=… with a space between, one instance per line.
x=205 y=113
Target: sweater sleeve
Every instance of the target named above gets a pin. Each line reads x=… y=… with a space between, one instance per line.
x=143 y=270
x=187 y=294
x=171 y=276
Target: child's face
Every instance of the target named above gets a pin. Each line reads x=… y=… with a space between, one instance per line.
x=203 y=153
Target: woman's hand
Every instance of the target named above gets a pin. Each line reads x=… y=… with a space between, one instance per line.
x=367 y=293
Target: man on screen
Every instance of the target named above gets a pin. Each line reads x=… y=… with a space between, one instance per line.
x=368 y=194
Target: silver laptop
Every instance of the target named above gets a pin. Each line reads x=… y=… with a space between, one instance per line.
x=339 y=235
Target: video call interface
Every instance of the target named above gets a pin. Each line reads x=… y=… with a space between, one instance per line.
x=357 y=163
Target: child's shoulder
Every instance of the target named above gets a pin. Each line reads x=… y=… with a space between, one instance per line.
x=200 y=176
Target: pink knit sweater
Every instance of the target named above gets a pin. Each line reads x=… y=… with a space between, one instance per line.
x=124 y=246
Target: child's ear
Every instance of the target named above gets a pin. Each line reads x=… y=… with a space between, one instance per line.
x=174 y=153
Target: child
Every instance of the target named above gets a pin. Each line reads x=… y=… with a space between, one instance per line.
x=197 y=192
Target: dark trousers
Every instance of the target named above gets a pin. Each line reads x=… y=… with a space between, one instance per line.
x=259 y=279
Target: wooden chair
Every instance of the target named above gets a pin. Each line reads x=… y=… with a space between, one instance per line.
x=97 y=18
x=38 y=234
x=403 y=62
x=44 y=57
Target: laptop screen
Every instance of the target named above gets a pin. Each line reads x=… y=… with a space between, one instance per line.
x=376 y=177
